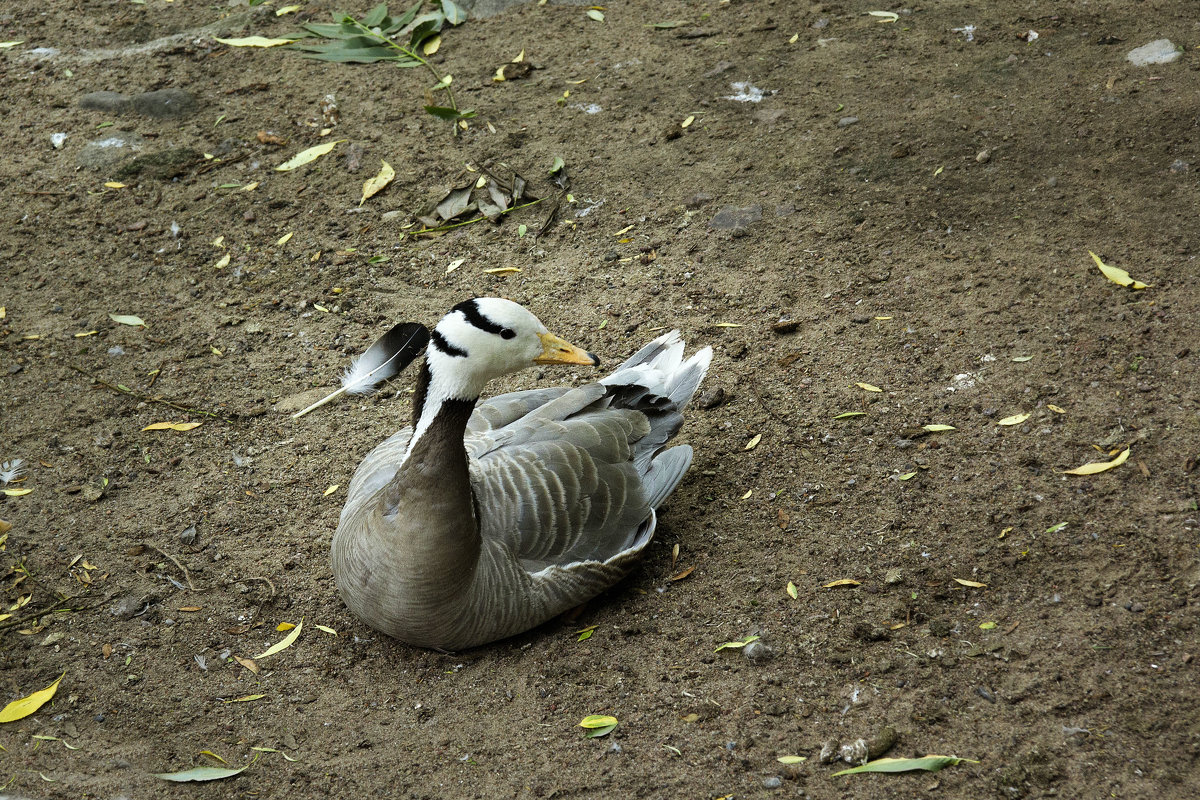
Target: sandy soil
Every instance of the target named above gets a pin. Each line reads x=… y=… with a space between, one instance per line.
x=918 y=204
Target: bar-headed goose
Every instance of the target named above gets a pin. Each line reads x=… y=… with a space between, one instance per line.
x=485 y=519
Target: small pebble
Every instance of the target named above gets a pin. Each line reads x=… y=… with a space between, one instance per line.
x=773 y=782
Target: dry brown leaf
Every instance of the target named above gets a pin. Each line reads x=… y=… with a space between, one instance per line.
x=972 y=584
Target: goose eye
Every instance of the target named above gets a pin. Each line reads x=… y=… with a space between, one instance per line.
x=507 y=333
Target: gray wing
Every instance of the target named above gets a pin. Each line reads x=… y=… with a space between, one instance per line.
x=558 y=485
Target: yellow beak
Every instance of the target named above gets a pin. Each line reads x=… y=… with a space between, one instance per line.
x=556 y=350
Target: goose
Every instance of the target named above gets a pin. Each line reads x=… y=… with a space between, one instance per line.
x=484 y=519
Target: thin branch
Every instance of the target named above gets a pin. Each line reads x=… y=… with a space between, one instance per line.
x=175 y=561
x=147 y=398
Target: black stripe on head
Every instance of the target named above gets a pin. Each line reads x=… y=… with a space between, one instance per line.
x=440 y=343
x=470 y=310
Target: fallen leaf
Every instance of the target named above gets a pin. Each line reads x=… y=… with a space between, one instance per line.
x=172 y=426
x=211 y=754
x=127 y=319
x=1118 y=275
x=851 y=414
x=15 y=492
x=283 y=627
x=598 y=725
x=746 y=496
x=19 y=709
x=906 y=476
x=1099 y=466
x=1015 y=419
x=884 y=17
x=972 y=584
x=1022 y=359
x=248 y=663
x=375 y=185
x=1056 y=409
x=247 y=699
x=928 y=763
x=753 y=443
x=331 y=490
x=791 y=759
x=287 y=10
x=282 y=645
x=791 y=590
x=223 y=263
x=724 y=324
x=868 y=387
x=596 y=15
x=326 y=629
x=736 y=645
x=187 y=609
x=307 y=156
x=795 y=38
x=287 y=237
x=501 y=270
x=114 y=185
x=255 y=41
x=842 y=582
x=85 y=333
x=938 y=428
x=431 y=45
x=6 y=45
x=455 y=264
x=200 y=774
x=1056 y=528
x=690 y=119
x=987 y=626
x=681 y=575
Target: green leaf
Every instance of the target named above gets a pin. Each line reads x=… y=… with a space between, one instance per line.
x=425 y=26
x=327 y=30
x=346 y=52
x=927 y=763
x=454 y=13
x=127 y=319
x=597 y=721
x=736 y=645
x=849 y=414
x=200 y=774
x=558 y=164
x=375 y=17
x=938 y=428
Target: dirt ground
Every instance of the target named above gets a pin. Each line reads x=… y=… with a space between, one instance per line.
x=913 y=200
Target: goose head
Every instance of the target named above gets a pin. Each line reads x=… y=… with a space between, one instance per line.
x=487 y=337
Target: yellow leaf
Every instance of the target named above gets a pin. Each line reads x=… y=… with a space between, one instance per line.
x=375 y=185
x=218 y=242
x=972 y=584
x=1056 y=409
x=691 y=118
x=255 y=41
x=501 y=270
x=6 y=45
x=284 y=626
x=849 y=414
x=282 y=645
x=331 y=490
x=753 y=443
x=223 y=263
x=307 y=156
x=520 y=57
x=431 y=45
x=1099 y=466
x=172 y=426
x=326 y=629
x=791 y=590
x=498 y=76
x=114 y=185
x=597 y=721
x=1022 y=359
x=791 y=759
x=596 y=15
x=884 y=16
x=215 y=351
x=250 y=187
x=987 y=626
x=868 y=387
x=842 y=582
x=624 y=230
x=15 y=492
x=1117 y=275
x=746 y=496
x=795 y=38
x=288 y=10
x=908 y=476
x=287 y=237
x=19 y=709
x=247 y=699
x=188 y=609
x=127 y=319
x=938 y=428
x=211 y=754
x=1015 y=419
x=85 y=333
x=320 y=308
x=883 y=319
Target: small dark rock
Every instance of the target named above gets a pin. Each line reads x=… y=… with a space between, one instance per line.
x=127 y=607
x=699 y=199
x=732 y=218
x=939 y=628
x=846 y=122
x=164 y=104
x=786 y=326
x=712 y=398
x=721 y=67
x=112 y=102
x=985 y=694
x=612 y=255
x=188 y=535
x=163 y=165
x=860 y=319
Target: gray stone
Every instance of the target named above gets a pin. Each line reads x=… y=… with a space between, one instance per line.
x=114 y=148
x=164 y=104
x=773 y=782
x=1160 y=51
x=732 y=218
x=846 y=122
x=112 y=102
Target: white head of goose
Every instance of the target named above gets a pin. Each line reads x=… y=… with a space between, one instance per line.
x=485 y=519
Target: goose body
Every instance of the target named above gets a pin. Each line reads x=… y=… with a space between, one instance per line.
x=486 y=518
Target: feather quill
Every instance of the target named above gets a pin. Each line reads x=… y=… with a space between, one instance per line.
x=391 y=353
x=11 y=470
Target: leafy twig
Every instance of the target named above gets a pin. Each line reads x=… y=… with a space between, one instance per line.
x=443 y=228
x=145 y=398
